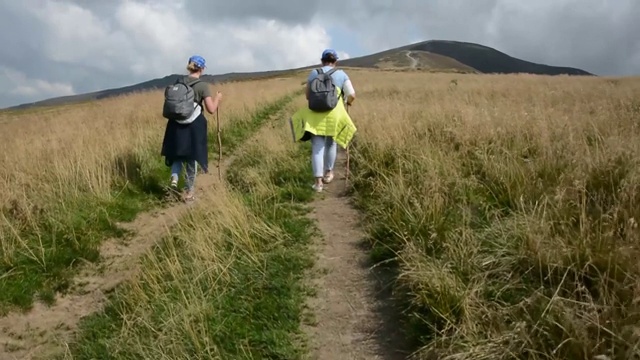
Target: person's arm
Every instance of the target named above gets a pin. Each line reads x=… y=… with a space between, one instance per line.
x=349 y=91
x=211 y=104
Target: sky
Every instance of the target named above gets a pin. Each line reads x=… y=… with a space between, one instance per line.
x=51 y=48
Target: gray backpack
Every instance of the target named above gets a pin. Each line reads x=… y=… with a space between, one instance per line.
x=323 y=94
x=179 y=100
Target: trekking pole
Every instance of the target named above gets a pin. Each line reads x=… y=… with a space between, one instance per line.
x=219 y=144
x=346 y=177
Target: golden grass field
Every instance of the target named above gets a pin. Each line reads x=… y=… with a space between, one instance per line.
x=509 y=204
x=68 y=172
x=54 y=155
x=211 y=287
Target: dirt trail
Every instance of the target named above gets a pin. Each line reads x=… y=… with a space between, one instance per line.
x=45 y=331
x=353 y=317
x=414 y=61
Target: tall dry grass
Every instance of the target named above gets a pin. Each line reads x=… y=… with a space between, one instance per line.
x=75 y=148
x=227 y=282
x=510 y=205
x=68 y=172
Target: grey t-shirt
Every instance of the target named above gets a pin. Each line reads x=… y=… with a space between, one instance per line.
x=201 y=89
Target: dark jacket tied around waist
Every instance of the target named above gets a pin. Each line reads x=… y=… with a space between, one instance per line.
x=186 y=142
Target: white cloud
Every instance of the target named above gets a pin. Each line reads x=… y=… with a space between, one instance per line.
x=29 y=87
x=343 y=55
x=274 y=45
x=155 y=28
x=86 y=45
x=76 y=36
x=141 y=40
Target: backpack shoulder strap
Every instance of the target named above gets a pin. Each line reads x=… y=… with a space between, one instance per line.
x=191 y=84
x=181 y=80
x=329 y=74
x=319 y=70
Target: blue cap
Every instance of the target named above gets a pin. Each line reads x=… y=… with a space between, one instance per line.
x=198 y=60
x=329 y=52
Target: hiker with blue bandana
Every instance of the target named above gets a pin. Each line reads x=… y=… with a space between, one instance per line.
x=325 y=121
x=185 y=139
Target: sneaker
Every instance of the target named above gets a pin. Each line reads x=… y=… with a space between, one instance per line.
x=172 y=190
x=317 y=188
x=328 y=178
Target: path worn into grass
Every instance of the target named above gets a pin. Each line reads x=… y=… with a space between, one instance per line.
x=414 y=61
x=353 y=318
x=45 y=331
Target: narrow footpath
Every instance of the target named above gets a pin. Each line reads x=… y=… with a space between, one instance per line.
x=353 y=318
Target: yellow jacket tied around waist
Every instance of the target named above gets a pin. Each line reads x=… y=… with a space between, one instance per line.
x=335 y=123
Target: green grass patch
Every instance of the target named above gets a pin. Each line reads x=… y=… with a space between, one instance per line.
x=229 y=283
x=242 y=128
x=52 y=242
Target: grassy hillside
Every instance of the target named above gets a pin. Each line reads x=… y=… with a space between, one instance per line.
x=462 y=55
x=488 y=60
x=228 y=284
x=433 y=55
x=151 y=85
x=422 y=60
x=71 y=173
x=507 y=205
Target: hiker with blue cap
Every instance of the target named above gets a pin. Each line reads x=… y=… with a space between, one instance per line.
x=325 y=121
x=185 y=139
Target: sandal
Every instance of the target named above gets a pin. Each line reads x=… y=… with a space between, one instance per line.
x=189 y=197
